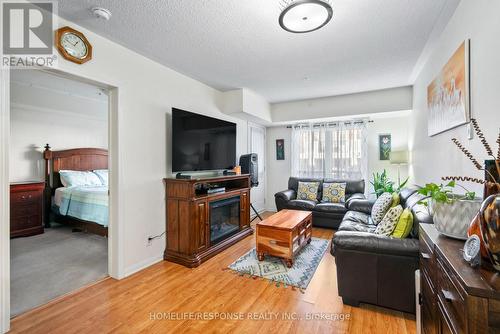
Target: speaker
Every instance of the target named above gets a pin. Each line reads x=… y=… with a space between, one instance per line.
x=249 y=165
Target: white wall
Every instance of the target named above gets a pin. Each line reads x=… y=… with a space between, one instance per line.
x=39 y=116
x=147 y=91
x=385 y=100
x=278 y=171
x=434 y=157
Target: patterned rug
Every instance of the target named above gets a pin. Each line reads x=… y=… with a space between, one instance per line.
x=275 y=269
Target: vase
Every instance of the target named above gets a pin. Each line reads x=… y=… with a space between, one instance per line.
x=453 y=219
x=491 y=175
x=475 y=228
x=490 y=228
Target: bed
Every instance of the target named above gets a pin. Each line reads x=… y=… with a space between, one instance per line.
x=83 y=207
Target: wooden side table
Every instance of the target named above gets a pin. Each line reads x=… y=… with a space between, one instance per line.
x=26 y=209
x=284 y=234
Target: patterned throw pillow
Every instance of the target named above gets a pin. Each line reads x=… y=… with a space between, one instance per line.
x=404 y=225
x=308 y=191
x=334 y=192
x=395 y=199
x=379 y=209
x=388 y=224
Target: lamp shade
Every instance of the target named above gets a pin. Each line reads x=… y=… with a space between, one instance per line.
x=399 y=157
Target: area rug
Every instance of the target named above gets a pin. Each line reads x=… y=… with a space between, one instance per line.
x=275 y=269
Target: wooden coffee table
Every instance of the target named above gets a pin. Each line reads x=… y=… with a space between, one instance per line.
x=284 y=234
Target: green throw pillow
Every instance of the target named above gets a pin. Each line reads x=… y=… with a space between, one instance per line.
x=395 y=199
x=308 y=191
x=404 y=226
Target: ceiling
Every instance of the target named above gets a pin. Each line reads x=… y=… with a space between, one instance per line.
x=229 y=44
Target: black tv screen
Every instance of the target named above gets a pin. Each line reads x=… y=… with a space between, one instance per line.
x=201 y=142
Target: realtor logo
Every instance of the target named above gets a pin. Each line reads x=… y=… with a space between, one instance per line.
x=28 y=33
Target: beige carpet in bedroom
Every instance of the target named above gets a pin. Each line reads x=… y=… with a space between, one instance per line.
x=52 y=264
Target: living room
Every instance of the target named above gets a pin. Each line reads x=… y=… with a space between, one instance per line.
x=270 y=164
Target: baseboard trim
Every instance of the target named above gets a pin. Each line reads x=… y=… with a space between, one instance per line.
x=142 y=265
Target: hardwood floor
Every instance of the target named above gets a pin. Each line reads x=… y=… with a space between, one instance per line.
x=142 y=302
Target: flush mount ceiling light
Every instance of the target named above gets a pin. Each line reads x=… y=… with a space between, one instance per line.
x=101 y=13
x=300 y=16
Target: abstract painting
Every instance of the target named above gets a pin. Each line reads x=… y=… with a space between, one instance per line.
x=280 y=149
x=384 y=146
x=448 y=94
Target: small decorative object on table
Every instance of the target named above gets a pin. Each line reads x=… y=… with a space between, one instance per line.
x=472 y=251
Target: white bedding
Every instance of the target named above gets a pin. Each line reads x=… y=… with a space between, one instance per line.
x=58 y=196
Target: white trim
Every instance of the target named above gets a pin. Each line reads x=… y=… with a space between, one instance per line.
x=142 y=265
x=4 y=202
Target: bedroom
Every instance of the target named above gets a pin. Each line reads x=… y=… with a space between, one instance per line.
x=58 y=245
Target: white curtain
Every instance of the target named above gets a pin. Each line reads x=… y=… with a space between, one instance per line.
x=330 y=150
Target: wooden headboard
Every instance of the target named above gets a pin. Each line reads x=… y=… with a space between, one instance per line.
x=80 y=159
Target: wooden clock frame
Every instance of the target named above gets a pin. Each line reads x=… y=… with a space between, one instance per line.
x=60 y=32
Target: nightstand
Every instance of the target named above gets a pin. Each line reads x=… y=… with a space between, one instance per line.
x=26 y=209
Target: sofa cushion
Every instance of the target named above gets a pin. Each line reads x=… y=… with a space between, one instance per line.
x=308 y=190
x=334 y=192
x=330 y=208
x=395 y=199
x=300 y=204
x=381 y=206
x=388 y=224
x=348 y=225
x=357 y=216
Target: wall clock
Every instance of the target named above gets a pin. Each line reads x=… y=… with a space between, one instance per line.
x=73 y=45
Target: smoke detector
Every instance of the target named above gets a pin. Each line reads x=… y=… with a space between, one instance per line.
x=101 y=13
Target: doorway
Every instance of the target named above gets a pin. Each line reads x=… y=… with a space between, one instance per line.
x=257 y=144
x=59 y=202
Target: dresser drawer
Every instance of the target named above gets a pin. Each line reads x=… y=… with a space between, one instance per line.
x=25 y=197
x=20 y=210
x=450 y=299
x=427 y=260
x=23 y=223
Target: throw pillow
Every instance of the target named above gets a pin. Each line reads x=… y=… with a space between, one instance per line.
x=308 y=191
x=404 y=225
x=388 y=224
x=395 y=199
x=379 y=209
x=334 y=192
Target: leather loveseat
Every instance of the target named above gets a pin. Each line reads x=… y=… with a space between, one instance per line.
x=377 y=269
x=324 y=214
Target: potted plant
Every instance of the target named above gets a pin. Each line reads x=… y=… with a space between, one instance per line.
x=382 y=184
x=452 y=213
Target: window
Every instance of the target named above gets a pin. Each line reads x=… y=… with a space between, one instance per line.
x=333 y=150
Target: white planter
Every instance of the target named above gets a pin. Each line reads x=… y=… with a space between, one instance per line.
x=454 y=219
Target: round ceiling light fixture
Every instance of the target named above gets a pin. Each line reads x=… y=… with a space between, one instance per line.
x=101 y=13
x=300 y=16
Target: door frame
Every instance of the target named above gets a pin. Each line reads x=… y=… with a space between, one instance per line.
x=249 y=147
x=115 y=232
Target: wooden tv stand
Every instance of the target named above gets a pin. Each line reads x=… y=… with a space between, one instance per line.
x=188 y=217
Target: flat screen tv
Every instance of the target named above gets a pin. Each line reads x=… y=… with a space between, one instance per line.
x=201 y=143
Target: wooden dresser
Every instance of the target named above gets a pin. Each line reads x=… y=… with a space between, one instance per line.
x=26 y=209
x=455 y=298
x=189 y=221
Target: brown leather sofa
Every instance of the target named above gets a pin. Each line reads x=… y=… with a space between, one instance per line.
x=377 y=269
x=324 y=214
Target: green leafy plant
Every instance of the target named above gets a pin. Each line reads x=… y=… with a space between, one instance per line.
x=381 y=184
x=443 y=193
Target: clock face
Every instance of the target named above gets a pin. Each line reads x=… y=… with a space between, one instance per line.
x=74 y=45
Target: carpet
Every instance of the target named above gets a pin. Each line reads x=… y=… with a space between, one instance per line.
x=274 y=269
x=52 y=264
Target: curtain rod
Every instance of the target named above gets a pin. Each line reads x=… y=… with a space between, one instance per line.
x=329 y=123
